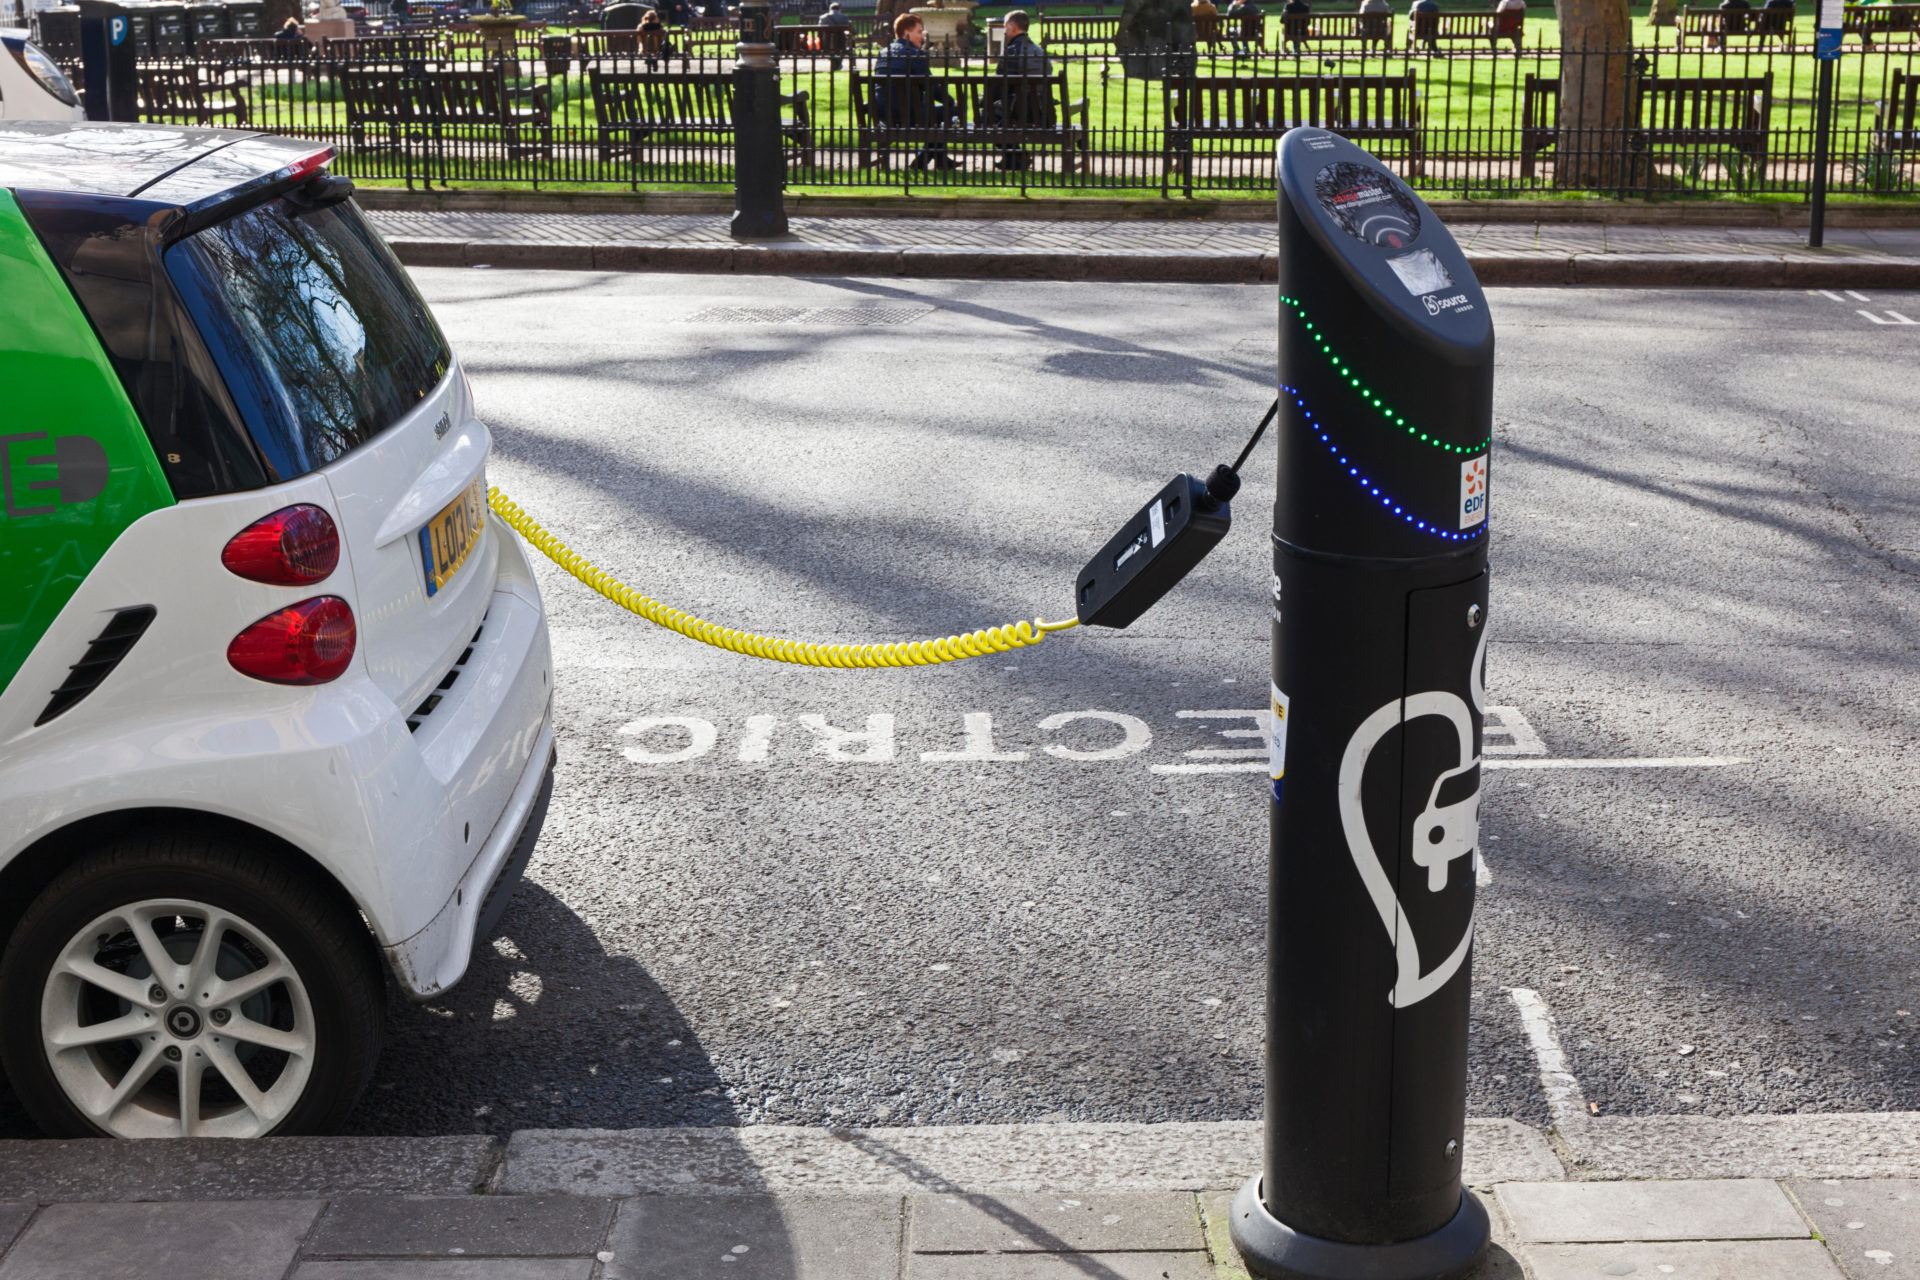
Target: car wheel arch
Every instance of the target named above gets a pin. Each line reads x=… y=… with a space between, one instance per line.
x=34 y=867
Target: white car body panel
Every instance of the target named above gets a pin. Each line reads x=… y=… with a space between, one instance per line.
x=24 y=98
x=414 y=825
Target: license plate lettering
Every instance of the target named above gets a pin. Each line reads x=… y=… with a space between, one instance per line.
x=449 y=538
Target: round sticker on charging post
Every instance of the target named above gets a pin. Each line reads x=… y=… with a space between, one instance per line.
x=1368 y=204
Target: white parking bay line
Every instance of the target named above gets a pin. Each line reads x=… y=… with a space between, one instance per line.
x=1619 y=762
x=1566 y=1101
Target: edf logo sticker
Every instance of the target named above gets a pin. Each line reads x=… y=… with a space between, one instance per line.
x=1473 y=491
x=69 y=469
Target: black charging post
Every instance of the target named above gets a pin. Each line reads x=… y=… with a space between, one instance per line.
x=1379 y=618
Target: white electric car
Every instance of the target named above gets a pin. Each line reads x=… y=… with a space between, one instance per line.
x=274 y=682
x=31 y=86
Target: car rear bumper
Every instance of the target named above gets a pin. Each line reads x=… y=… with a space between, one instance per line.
x=432 y=960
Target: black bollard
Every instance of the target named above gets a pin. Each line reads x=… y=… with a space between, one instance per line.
x=108 y=53
x=759 y=161
x=1379 y=639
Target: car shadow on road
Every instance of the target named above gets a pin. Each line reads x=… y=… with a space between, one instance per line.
x=546 y=1030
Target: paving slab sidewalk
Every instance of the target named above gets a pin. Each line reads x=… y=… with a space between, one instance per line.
x=1192 y=250
x=1012 y=1202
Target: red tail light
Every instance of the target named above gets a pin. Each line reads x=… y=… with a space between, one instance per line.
x=306 y=643
x=290 y=548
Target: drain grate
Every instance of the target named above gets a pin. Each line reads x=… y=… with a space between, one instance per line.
x=877 y=315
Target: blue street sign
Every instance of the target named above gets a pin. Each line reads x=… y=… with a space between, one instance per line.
x=117 y=30
x=1826 y=44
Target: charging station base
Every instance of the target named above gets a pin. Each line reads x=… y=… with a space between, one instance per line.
x=1274 y=1251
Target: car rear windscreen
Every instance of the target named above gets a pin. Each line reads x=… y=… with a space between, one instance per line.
x=319 y=335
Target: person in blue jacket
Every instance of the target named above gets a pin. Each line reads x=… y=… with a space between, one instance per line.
x=905 y=94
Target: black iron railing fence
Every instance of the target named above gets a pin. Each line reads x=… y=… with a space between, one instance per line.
x=621 y=108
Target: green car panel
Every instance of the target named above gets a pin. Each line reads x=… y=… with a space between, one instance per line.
x=75 y=465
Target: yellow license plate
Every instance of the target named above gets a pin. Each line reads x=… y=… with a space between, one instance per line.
x=449 y=538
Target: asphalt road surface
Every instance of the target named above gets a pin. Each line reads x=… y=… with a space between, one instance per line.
x=769 y=894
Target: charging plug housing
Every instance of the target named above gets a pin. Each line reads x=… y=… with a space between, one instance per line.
x=1152 y=552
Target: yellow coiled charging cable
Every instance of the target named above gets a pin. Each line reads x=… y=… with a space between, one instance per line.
x=918 y=653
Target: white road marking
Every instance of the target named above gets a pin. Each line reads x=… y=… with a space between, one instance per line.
x=1897 y=317
x=1137 y=736
x=1828 y=293
x=1856 y=296
x=978 y=745
x=1622 y=762
x=1566 y=1101
x=875 y=742
x=701 y=735
x=1246 y=759
x=1515 y=736
x=753 y=747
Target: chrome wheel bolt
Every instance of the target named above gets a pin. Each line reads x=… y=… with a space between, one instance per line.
x=157 y=994
x=219 y=1017
x=172 y=1052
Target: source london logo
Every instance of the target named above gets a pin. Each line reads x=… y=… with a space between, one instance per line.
x=1458 y=302
x=1473 y=491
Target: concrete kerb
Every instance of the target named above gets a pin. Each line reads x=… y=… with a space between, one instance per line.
x=936 y=262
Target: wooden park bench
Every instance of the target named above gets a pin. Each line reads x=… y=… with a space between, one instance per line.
x=813 y=40
x=365 y=49
x=1896 y=119
x=1303 y=30
x=439 y=101
x=1714 y=27
x=1364 y=108
x=258 y=50
x=633 y=104
x=187 y=94
x=1431 y=30
x=1082 y=30
x=1887 y=23
x=1009 y=112
x=1732 y=112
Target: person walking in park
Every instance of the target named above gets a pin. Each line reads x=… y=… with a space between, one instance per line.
x=905 y=94
x=834 y=18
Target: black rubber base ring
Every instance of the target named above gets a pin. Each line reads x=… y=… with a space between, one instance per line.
x=1274 y=1251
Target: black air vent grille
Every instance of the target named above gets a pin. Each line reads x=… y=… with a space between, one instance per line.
x=434 y=699
x=102 y=656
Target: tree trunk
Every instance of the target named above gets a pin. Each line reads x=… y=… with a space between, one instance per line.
x=1665 y=13
x=1595 y=63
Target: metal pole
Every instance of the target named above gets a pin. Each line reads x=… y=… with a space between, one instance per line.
x=759 y=161
x=1822 y=127
x=1379 y=631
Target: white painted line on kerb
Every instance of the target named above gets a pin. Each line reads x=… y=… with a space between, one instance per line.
x=1566 y=1101
x=1621 y=762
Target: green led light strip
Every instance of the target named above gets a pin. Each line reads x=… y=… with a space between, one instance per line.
x=1341 y=367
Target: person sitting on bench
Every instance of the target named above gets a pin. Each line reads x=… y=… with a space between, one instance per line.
x=1023 y=105
x=904 y=89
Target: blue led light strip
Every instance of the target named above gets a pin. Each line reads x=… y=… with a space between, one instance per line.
x=1344 y=370
x=1372 y=489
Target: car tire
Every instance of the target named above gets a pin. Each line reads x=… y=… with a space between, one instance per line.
x=119 y=1018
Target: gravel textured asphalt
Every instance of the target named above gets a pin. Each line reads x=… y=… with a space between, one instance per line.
x=1705 y=543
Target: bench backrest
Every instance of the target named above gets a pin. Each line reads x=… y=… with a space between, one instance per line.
x=259 y=50
x=383 y=48
x=1020 y=102
x=1461 y=26
x=812 y=38
x=632 y=96
x=1704 y=104
x=171 y=90
x=1339 y=103
x=1903 y=95
x=1692 y=105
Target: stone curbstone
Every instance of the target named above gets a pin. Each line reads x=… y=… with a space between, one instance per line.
x=1520 y=268
x=807 y=260
x=428 y=253
x=530 y=254
x=1655 y=270
x=696 y=258
x=46 y=1171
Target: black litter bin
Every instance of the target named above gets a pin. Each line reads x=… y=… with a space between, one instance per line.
x=60 y=33
x=247 y=19
x=169 y=30
x=140 y=30
x=205 y=24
